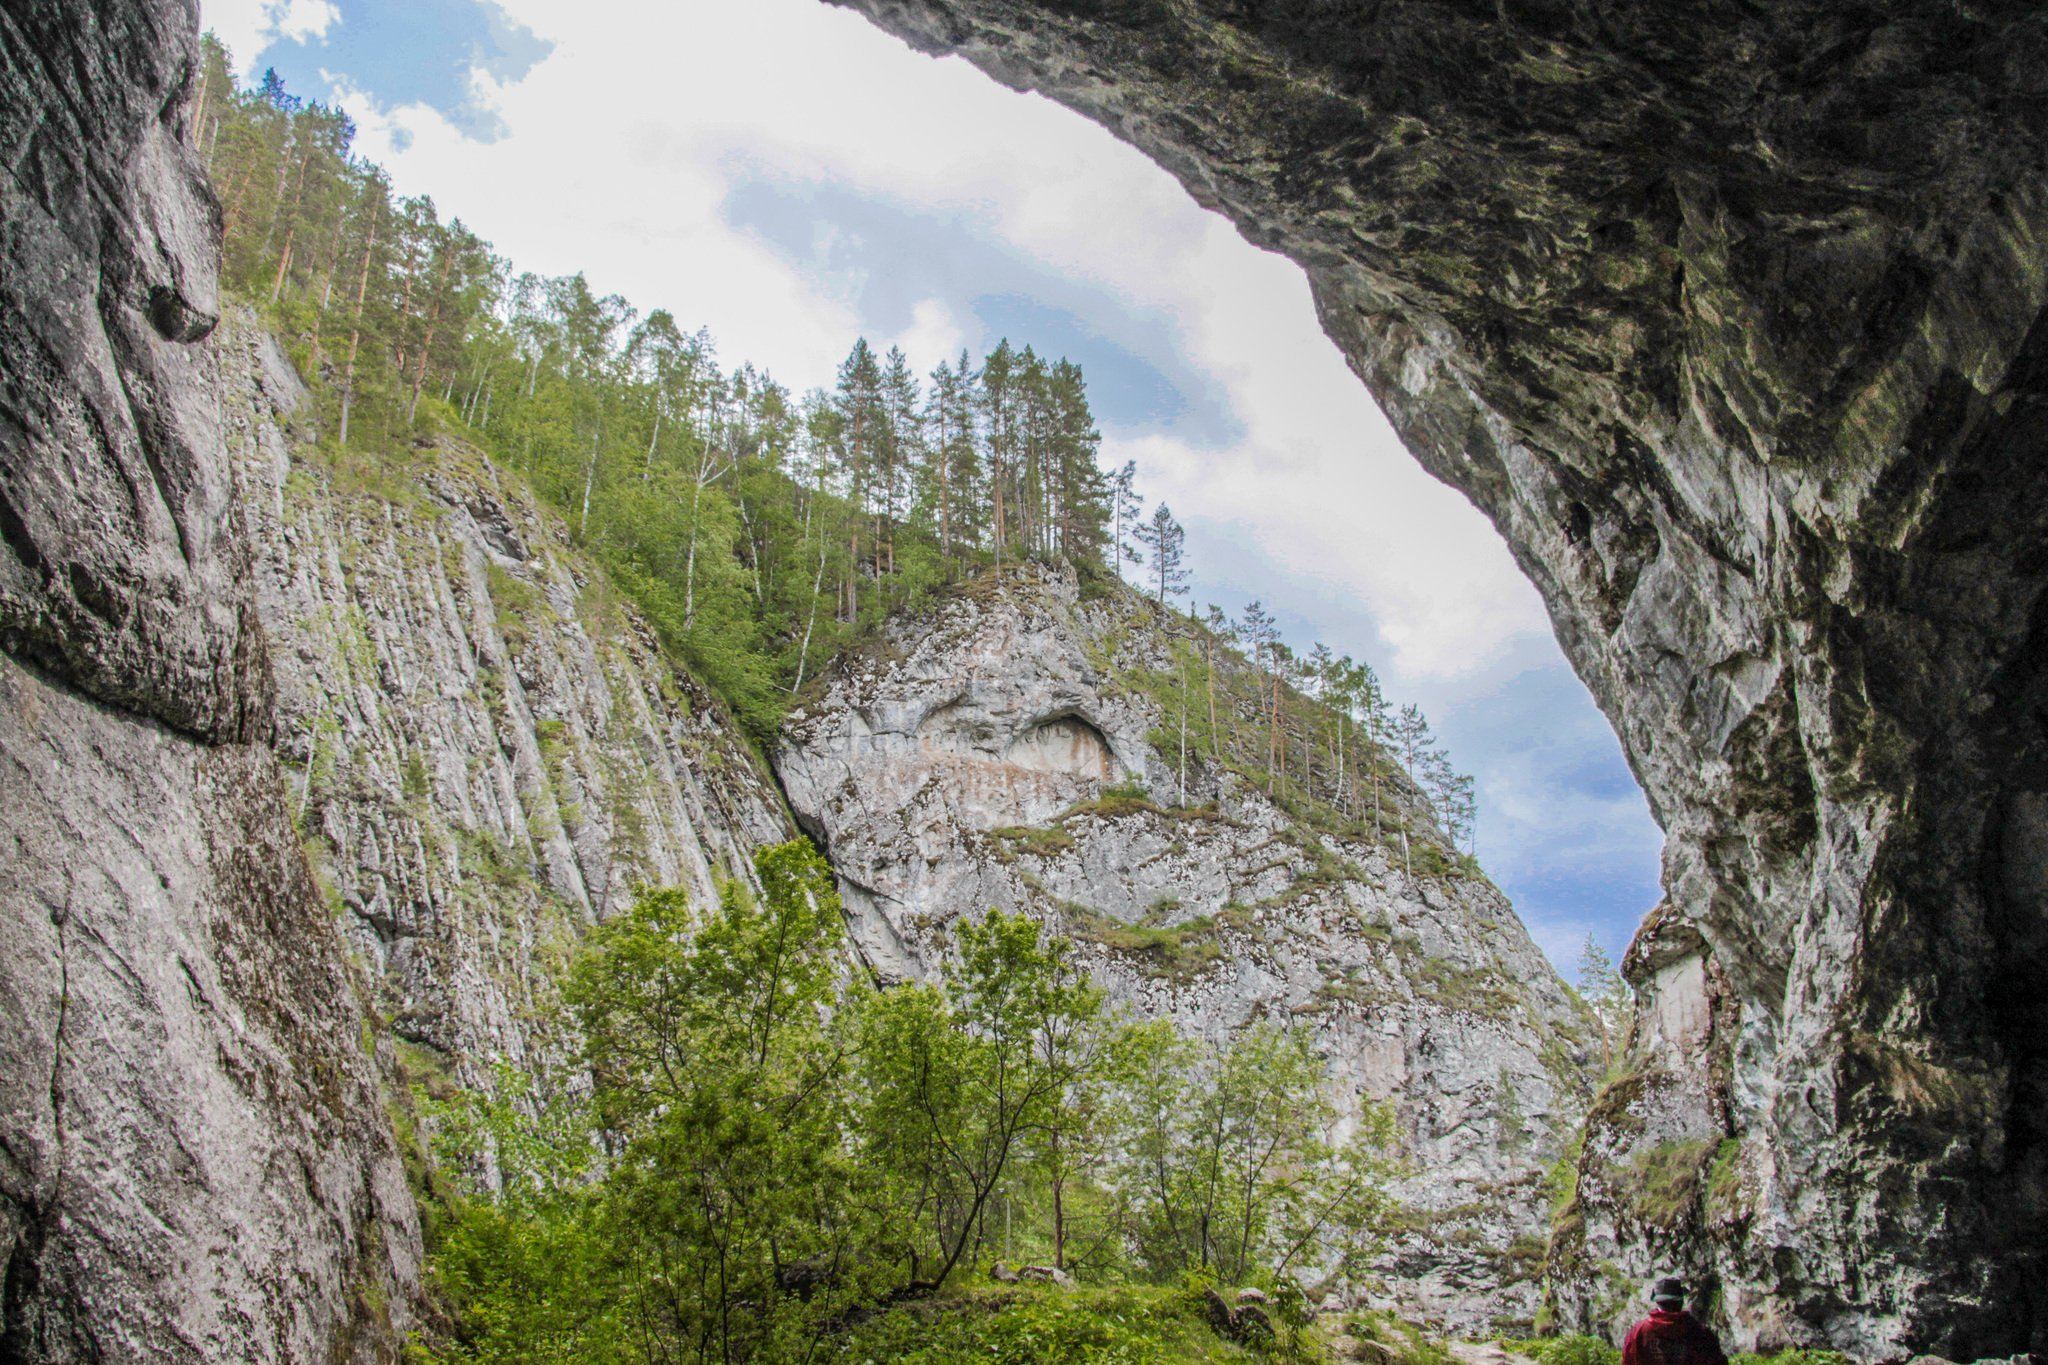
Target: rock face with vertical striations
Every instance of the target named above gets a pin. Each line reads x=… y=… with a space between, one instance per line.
x=196 y=1163
x=1732 y=319
x=484 y=744
x=1005 y=749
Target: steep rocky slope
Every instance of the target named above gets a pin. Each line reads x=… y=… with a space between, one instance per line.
x=1732 y=318
x=1000 y=751
x=485 y=745
x=195 y=1159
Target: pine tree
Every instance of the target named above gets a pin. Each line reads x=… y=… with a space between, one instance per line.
x=1000 y=408
x=1608 y=993
x=1163 y=537
x=902 y=447
x=1126 y=507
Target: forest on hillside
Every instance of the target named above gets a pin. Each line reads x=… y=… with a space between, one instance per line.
x=759 y=530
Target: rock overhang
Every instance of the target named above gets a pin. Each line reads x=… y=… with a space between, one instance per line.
x=1732 y=319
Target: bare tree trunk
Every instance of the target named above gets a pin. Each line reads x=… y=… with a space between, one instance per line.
x=419 y=377
x=198 y=122
x=589 y=478
x=817 y=590
x=355 y=335
x=291 y=232
x=1183 y=730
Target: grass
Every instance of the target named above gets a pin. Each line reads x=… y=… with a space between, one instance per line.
x=1044 y=842
x=1400 y=1342
x=1041 y=1325
x=1483 y=991
x=1664 y=1183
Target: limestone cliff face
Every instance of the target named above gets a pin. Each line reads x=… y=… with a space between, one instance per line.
x=195 y=1158
x=990 y=754
x=1663 y=1186
x=1732 y=318
x=485 y=746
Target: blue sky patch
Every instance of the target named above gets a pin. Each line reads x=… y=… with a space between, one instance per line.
x=413 y=52
x=1580 y=854
x=885 y=260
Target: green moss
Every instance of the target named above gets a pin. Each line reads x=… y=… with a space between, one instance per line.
x=1177 y=952
x=1483 y=991
x=518 y=605
x=1663 y=1184
x=1725 y=1196
x=1114 y=804
x=1038 y=842
x=1522 y=1259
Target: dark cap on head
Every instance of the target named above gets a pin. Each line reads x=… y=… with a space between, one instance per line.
x=1668 y=1291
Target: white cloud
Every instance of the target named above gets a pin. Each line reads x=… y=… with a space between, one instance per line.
x=304 y=20
x=240 y=24
x=249 y=26
x=934 y=333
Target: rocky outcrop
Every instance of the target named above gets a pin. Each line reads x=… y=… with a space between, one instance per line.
x=196 y=1161
x=195 y=1158
x=1662 y=1185
x=124 y=572
x=1732 y=319
x=1000 y=751
x=486 y=748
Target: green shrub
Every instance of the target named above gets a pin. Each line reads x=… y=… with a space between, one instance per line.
x=1577 y=1350
x=1042 y=1326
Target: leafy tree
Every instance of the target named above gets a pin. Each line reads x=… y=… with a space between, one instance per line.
x=717 y=1071
x=1234 y=1158
x=959 y=1076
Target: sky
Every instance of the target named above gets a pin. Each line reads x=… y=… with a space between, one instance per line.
x=789 y=177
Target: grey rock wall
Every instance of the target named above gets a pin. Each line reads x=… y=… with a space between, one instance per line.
x=1731 y=318
x=484 y=745
x=196 y=1163
x=1662 y=1184
x=982 y=755
x=196 y=1160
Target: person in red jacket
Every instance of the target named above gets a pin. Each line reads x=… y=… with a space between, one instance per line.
x=1670 y=1335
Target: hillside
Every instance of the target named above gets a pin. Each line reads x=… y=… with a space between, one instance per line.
x=488 y=750
x=1017 y=746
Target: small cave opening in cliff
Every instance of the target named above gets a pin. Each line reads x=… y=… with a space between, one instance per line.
x=1068 y=744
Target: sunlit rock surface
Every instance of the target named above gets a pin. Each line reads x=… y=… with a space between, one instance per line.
x=486 y=748
x=1661 y=1187
x=991 y=753
x=1730 y=317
